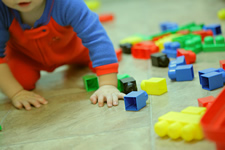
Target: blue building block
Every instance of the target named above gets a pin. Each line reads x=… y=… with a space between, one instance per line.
x=165 y=26
x=178 y=61
x=171 y=49
x=135 y=100
x=201 y=72
x=216 y=28
x=212 y=80
x=182 y=73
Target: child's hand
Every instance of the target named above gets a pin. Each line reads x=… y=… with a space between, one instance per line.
x=26 y=99
x=107 y=93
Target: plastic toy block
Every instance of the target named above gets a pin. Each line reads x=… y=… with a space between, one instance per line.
x=210 y=46
x=160 y=60
x=182 y=73
x=154 y=86
x=184 y=38
x=169 y=38
x=143 y=37
x=171 y=49
x=126 y=48
x=195 y=28
x=221 y=14
x=183 y=32
x=119 y=54
x=106 y=17
x=203 y=33
x=90 y=82
x=119 y=77
x=143 y=50
x=0 y=128
x=165 y=26
x=160 y=36
x=222 y=64
x=135 y=100
x=213 y=121
x=187 y=26
x=93 y=4
x=204 y=101
x=128 y=85
x=177 y=62
x=178 y=124
x=205 y=71
x=216 y=29
x=190 y=57
x=212 y=80
x=194 y=44
x=132 y=40
x=194 y=110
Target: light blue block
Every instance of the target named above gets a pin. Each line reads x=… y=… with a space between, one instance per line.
x=184 y=73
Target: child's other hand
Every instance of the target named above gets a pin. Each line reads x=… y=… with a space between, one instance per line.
x=107 y=93
x=27 y=99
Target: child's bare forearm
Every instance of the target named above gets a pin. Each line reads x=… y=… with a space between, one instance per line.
x=108 y=79
x=8 y=84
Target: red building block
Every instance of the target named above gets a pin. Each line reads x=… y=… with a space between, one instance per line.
x=183 y=32
x=160 y=37
x=144 y=50
x=203 y=33
x=106 y=17
x=190 y=56
x=119 y=54
x=213 y=121
x=222 y=64
x=204 y=101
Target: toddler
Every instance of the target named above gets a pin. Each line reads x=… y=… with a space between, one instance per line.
x=40 y=35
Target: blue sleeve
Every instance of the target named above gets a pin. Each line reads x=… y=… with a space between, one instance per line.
x=88 y=27
x=5 y=22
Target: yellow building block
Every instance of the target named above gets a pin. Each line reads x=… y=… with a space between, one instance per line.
x=221 y=14
x=194 y=110
x=93 y=4
x=132 y=40
x=180 y=124
x=169 y=38
x=154 y=86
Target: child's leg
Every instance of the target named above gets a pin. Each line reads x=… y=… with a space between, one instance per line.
x=24 y=71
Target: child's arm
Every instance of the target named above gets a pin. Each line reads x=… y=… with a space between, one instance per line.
x=11 y=87
x=107 y=91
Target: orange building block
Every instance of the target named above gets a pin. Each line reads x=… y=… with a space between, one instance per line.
x=205 y=101
x=222 y=64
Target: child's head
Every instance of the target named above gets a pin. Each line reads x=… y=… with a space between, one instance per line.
x=24 y=5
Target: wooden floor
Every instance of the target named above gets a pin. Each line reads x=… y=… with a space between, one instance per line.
x=70 y=121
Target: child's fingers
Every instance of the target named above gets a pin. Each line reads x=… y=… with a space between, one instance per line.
x=115 y=99
x=93 y=98
x=26 y=105
x=121 y=95
x=109 y=100
x=100 y=100
x=42 y=101
x=17 y=104
x=35 y=103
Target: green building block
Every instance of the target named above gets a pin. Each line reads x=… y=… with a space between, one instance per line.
x=211 y=46
x=119 y=77
x=90 y=82
x=187 y=26
x=0 y=128
x=194 y=44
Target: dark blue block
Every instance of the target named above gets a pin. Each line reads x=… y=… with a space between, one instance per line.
x=184 y=73
x=135 y=100
x=216 y=28
x=201 y=72
x=212 y=80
